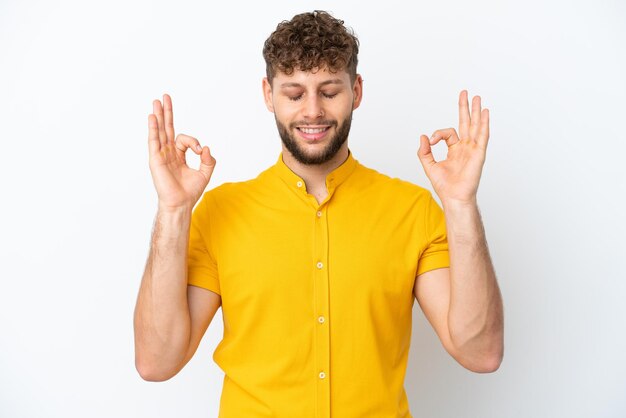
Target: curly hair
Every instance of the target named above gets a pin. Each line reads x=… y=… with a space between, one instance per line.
x=311 y=40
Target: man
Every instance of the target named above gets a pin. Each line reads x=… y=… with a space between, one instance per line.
x=317 y=261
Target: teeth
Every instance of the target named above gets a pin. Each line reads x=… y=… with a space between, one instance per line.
x=312 y=131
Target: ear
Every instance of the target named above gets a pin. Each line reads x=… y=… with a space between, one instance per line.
x=267 y=95
x=357 y=91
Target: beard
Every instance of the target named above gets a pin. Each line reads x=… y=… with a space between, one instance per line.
x=329 y=151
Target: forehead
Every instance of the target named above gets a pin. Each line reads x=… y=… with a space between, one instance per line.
x=314 y=77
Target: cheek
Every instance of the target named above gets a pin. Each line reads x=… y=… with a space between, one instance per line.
x=343 y=106
x=286 y=114
x=343 y=113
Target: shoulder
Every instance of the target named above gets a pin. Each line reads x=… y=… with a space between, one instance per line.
x=230 y=193
x=399 y=189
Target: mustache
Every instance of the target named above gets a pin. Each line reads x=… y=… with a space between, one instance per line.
x=316 y=123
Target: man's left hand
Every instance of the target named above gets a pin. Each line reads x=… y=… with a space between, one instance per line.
x=456 y=178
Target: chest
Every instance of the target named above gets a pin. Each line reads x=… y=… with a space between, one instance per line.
x=293 y=259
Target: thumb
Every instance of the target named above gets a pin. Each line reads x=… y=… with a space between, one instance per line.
x=424 y=153
x=207 y=162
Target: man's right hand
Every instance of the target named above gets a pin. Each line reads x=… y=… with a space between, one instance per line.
x=178 y=185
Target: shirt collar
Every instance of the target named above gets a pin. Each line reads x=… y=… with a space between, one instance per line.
x=333 y=179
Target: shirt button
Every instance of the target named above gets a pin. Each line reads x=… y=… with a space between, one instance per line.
x=299 y=184
x=319 y=213
x=320 y=265
x=322 y=375
x=321 y=319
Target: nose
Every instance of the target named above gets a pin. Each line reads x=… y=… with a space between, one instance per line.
x=313 y=107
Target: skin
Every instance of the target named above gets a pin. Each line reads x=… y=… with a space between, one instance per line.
x=462 y=303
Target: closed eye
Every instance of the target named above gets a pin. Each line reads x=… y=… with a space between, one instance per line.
x=296 y=98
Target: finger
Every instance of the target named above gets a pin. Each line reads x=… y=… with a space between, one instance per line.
x=158 y=112
x=464 y=115
x=207 y=162
x=449 y=135
x=425 y=154
x=475 y=118
x=483 y=133
x=169 y=117
x=183 y=142
x=154 y=144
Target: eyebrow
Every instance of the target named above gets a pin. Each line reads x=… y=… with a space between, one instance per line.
x=323 y=83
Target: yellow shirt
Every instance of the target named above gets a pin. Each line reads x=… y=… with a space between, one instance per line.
x=316 y=298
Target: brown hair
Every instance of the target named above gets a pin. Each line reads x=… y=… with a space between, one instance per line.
x=311 y=40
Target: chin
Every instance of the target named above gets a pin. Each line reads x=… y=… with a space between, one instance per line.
x=314 y=152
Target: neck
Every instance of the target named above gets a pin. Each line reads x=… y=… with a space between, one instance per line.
x=314 y=176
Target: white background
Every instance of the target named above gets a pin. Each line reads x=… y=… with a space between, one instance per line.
x=76 y=85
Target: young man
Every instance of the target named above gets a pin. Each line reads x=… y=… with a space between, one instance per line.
x=318 y=260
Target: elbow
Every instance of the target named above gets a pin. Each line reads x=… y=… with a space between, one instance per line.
x=484 y=360
x=150 y=373
x=154 y=364
x=487 y=365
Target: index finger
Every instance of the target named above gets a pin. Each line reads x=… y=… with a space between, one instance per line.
x=464 y=116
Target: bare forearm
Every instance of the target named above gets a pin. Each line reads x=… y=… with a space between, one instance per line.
x=162 y=321
x=475 y=318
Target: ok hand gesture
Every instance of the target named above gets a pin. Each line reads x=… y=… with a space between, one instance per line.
x=177 y=185
x=456 y=178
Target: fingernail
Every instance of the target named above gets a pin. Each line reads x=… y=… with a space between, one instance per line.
x=198 y=148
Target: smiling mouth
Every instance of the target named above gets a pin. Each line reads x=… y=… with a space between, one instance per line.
x=313 y=130
x=313 y=133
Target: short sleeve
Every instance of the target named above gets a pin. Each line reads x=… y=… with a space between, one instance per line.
x=201 y=264
x=435 y=253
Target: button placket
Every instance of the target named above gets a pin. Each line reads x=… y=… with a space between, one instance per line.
x=321 y=304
